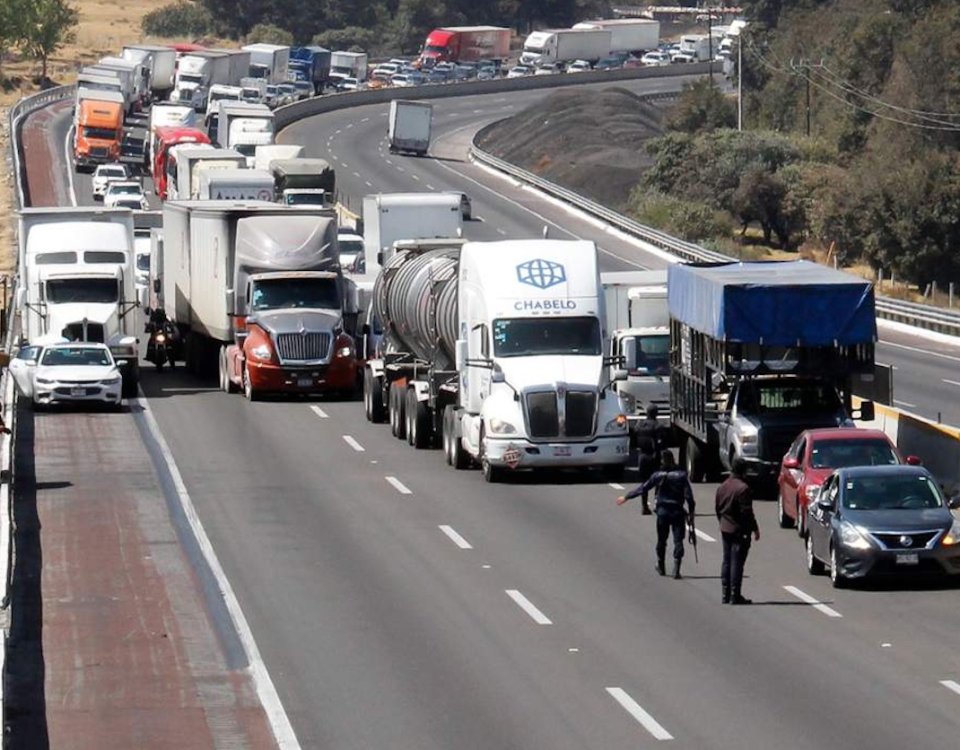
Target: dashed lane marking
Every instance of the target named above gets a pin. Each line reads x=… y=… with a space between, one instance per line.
x=527 y=606
x=637 y=712
x=455 y=537
x=704 y=535
x=399 y=486
x=319 y=412
x=353 y=444
x=951 y=685
x=805 y=597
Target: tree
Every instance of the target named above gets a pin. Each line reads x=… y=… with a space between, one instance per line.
x=47 y=26
x=10 y=27
x=702 y=106
x=351 y=38
x=267 y=33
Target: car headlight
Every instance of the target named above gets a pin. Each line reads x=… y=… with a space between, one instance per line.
x=501 y=427
x=262 y=352
x=953 y=536
x=617 y=424
x=813 y=492
x=852 y=537
x=45 y=381
x=111 y=381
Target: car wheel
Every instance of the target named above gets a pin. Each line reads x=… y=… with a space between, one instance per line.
x=814 y=566
x=801 y=522
x=836 y=575
x=784 y=520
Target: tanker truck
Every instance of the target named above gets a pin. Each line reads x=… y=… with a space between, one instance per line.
x=495 y=351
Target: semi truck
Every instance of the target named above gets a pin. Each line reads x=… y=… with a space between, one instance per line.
x=628 y=34
x=165 y=116
x=235 y=184
x=126 y=83
x=311 y=64
x=494 y=350
x=243 y=127
x=256 y=290
x=79 y=281
x=465 y=44
x=269 y=61
x=160 y=61
x=88 y=80
x=263 y=156
x=638 y=335
x=760 y=352
x=164 y=139
x=697 y=47
x=221 y=158
x=198 y=71
x=97 y=128
x=138 y=73
x=565 y=45
x=304 y=181
x=408 y=127
x=348 y=65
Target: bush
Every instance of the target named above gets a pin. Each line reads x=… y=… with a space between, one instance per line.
x=267 y=33
x=687 y=220
x=351 y=38
x=182 y=18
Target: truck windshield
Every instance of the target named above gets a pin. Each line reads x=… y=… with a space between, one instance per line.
x=282 y=294
x=653 y=356
x=434 y=48
x=191 y=78
x=523 y=337
x=788 y=397
x=62 y=291
x=104 y=134
x=143 y=262
x=305 y=199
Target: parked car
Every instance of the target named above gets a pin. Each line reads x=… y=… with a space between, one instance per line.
x=117 y=189
x=103 y=174
x=882 y=520
x=66 y=372
x=518 y=71
x=655 y=58
x=578 y=66
x=815 y=454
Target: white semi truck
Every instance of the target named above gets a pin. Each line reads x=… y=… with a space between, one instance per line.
x=495 y=351
x=628 y=34
x=565 y=45
x=79 y=281
x=243 y=127
x=408 y=127
x=160 y=61
x=268 y=61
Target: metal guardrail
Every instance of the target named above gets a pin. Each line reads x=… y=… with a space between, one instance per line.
x=910 y=313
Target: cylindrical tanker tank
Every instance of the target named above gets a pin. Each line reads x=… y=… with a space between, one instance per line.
x=415 y=299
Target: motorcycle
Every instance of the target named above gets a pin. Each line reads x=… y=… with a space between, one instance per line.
x=161 y=345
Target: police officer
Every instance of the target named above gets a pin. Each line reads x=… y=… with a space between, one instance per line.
x=673 y=490
x=734 y=506
x=650 y=441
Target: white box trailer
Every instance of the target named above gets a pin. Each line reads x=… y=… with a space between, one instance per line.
x=161 y=62
x=408 y=126
x=566 y=45
x=236 y=184
x=264 y=155
x=269 y=61
x=628 y=34
x=226 y=159
x=391 y=217
x=349 y=65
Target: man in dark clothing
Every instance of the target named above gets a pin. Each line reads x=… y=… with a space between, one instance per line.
x=672 y=491
x=650 y=439
x=737 y=522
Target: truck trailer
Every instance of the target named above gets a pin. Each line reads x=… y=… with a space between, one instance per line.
x=760 y=352
x=235 y=184
x=628 y=34
x=494 y=350
x=348 y=65
x=269 y=61
x=311 y=64
x=304 y=181
x=160 y=61
x=565 y=45
x=465 y=44
x=408 y=127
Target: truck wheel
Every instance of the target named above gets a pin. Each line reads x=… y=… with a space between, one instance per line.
x=491 y=473
x=373 y=397
x=458 y=457
x=398 y=424
x=249 y=392
x=694 y=460
x=226 y=384
x=418 y=421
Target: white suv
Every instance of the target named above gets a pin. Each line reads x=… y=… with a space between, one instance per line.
x=104 y=174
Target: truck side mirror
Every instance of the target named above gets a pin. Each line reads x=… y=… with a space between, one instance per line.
x=230 y=299
x=628 y=349
x=497 y=376
x=867 y=411
x=620 y=375
x=460 y=354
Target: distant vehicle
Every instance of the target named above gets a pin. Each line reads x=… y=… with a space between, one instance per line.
x=288 y=93
x=304 y=89
x=409 y=126
x=612 y=62
x=816 y=454
x=117 y=189
x=437 y=76
x=548 y=70
x=132 y=202
x=655 y=58
x=465 y=43
x=519 y=71
x=487 y=73
x=271 y=97
x=67 y=373
x=579 y=66
x=682 y=57
x=103 y=174
x=882 y=520
x=349 y=84
x=385 y=70
x=633 y=63
x=351 y=251
x=402 y=80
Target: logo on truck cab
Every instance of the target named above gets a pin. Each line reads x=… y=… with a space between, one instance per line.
x=540 y=273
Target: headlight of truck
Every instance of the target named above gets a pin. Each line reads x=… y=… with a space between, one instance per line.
x=617 y=424
x=953 y=536
x=747 y=437
x=262 y=352
x=501 y=427
x=852 y=537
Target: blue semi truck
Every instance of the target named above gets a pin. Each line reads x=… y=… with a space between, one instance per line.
x=311 y=64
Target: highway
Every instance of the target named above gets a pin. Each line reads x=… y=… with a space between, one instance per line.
x=397 y=603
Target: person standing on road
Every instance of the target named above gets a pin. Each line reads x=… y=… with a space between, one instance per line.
x=734 y=503
x=673 y=491
x=650 y=441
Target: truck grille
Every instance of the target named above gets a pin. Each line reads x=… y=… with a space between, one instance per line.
x=776 y=441
x=74 y=332
x=544 y=418
x=303 y=347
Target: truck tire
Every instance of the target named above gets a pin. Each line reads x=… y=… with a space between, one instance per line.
x=249 y=392
x=398 y=425
x=457 y=456
x=373 y=397
x=418 y=421
x=226 y=384
x=695 y=461
x=491 y=474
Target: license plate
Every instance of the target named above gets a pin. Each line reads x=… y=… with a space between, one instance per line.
x=78 y=391
x=304 y=382
x=909 y=558
x=561 y=450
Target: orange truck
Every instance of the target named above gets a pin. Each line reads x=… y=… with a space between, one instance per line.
x=98 y=128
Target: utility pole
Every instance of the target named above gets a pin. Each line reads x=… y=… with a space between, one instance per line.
x=710 y=41
x=799 y=67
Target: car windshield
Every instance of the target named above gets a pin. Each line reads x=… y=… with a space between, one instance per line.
x=143 y=262
x=61 y=291
x=788 y=397
x=350 y=247
x=111 y=172
x=76 y=355
x=282 y=294
x=130 y=189
x=891 y=492
x=837 y=454
x=522 y=337
x=653 y=355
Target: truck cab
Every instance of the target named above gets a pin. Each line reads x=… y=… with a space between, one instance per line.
x=98 y=131
x=165 y=139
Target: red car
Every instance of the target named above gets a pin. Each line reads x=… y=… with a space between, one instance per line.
x=813 y=457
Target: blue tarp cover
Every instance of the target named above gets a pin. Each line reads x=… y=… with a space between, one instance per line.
x=785 y=303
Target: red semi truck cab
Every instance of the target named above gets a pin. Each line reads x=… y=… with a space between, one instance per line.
x=465 y=44
x=164 y=140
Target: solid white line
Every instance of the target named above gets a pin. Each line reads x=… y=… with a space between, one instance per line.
x=276 y=715
x=637 y=712
x=455 y=537
x=920 y=351
x=69 y=164
x=951 y=685
x=617 y=486
x=353 y=444
x=951 y=382
x=905 y=403
x=805 y=597
x=319 y=412
x=526 y=605
x=704 y=535
x=398 y=486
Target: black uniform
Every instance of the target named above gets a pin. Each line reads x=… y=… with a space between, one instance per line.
x=650 y=439
x=672 y=492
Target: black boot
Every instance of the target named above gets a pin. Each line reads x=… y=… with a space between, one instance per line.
x=736 y=598
x=661 y=568
x=726 y=595
x=676 y=570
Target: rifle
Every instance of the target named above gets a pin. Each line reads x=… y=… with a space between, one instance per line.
x=692 y=538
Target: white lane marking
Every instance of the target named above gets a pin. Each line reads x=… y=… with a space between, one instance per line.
x=344 y=164
x=336 y=132
x=429 y=186
x=356 y=174
x=905 y=403
x=500 y=231
x=333 y=155
x=398 y=486
x=390 y=162
x=478 y=111
x=319 y=412
x=276 y=715
x=951 y=685
x=704 y=535
x=477 y=217
x=69 y=163
x=637 y=712
x=527 y=606
x=920 y=351
x=365 y=119
x=368 y=183
x=617 y=486
x=805 y=597
x=951 y=382
x=416 y=177
x=353 y=444
x=401 y=169
x=349 y=125
x=455 y=537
